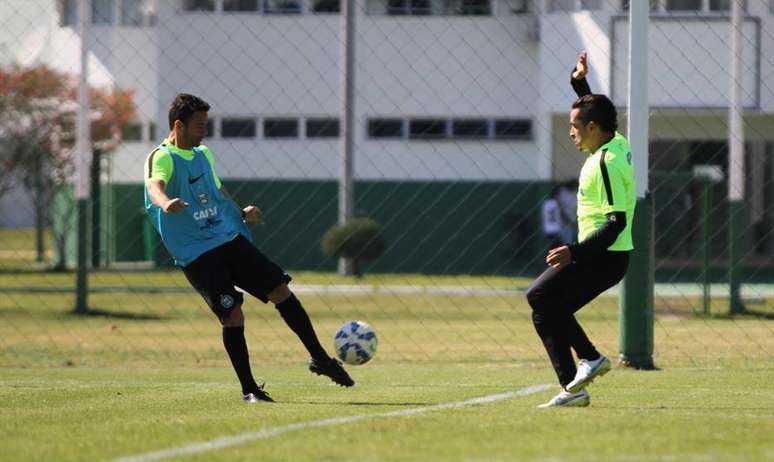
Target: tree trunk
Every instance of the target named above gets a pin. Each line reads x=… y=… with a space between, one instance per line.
x=40 y=219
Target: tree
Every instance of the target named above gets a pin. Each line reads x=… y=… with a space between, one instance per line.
x=360 y=239
x=38 y=110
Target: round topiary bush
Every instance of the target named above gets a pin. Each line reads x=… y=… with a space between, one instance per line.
x=360 y=239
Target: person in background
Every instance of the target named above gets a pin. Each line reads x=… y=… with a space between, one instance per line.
x=551 y=220
x=568 y=205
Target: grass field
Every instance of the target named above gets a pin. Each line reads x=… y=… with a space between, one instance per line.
x=146 y=372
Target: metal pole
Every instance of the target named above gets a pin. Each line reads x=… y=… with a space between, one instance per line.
x=706 y=188
x=736 y=172
x=636 y=301
x=95 y=171
x=83 y=146
x=346 y=186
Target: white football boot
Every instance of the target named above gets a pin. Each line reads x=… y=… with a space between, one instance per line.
x=567 y=399
x=587 y=372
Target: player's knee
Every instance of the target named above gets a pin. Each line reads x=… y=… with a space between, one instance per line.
x=535 y=298
x=280 y=294
x=538 y=318
x=234 y=317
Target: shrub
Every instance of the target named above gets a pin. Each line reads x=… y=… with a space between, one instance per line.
x=360 y=239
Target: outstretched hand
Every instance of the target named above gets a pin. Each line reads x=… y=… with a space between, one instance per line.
x=582 y=67
x=174 y=205
x=559 y=257
x=253 y=215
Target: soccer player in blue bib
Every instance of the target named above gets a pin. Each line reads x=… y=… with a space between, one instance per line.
x=578 y=273
x=207 y=234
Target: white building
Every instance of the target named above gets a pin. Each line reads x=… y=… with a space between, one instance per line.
x=446 y=90
x=484 y=81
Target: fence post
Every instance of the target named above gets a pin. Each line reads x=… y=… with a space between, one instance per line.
x=636 y=301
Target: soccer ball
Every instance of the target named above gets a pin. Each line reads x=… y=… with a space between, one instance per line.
x=355 y=342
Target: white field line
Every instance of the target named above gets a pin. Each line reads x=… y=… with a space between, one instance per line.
x=227 y=441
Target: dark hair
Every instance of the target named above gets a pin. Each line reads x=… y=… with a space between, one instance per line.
x=599 y=109
x=184 y=106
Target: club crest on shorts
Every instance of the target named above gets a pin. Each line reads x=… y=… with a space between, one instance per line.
x=226 y=301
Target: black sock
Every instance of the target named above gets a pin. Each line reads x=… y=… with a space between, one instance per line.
x=236 y=347
x=296 y=318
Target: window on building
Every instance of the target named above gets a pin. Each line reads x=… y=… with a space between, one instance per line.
x=470 y=128
x=683 y=5
x=237 y=128
x=590 y=4
x=137 y=12
x=240 y=5
x=562 y=5
x=378 y=7
x=514 y=129
x=385 y=128
x=725 y=5
x=325 y=6
x=198 y=5
x=131 y=132
x=280 y=128
x=70 y=13
x=322 y=128
x=653 y=5
x=409 y=7
x=152 y=132
x=422 y=129
x=102 y=12
x=514 y=6
x=690 y=5
x=471 y=7
x=210 y=128
x=282 y=6
x=720 y=5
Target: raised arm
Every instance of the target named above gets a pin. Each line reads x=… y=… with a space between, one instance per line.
x=158 y=195
x=578 y=78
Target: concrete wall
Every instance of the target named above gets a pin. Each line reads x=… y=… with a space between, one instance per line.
x=273 y=66
x=689 y=61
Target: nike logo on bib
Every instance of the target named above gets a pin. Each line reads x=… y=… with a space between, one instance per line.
x=194 y=180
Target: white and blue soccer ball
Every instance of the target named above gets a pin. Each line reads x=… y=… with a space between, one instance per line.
x=355 y=342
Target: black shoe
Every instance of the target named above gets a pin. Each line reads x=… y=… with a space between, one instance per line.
x=332 y=368
x=257 y=395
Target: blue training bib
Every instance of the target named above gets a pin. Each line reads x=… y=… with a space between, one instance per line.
x=209 y=221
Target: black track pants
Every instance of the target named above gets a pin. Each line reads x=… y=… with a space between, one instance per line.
x=556 y=295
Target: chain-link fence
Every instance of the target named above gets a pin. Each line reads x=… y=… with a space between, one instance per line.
x=461 y=156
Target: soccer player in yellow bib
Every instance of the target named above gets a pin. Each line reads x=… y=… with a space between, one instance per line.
x=579 y=272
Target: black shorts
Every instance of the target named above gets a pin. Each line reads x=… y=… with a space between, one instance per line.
x=235 y=263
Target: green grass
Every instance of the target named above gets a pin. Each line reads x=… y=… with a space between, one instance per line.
x=147 y=372
x=17 y=248
x=99 y=387
x=175 y=278
x=676 y=414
